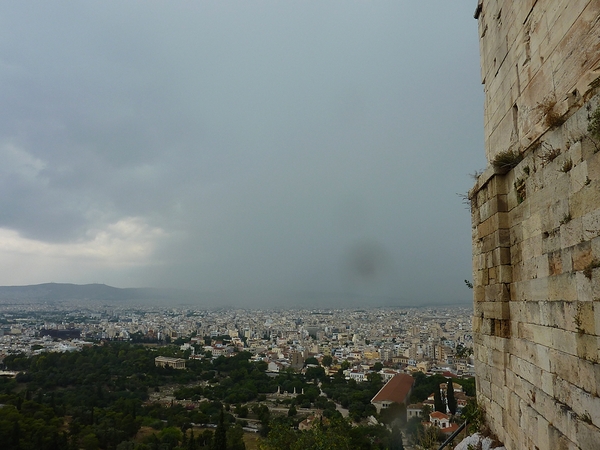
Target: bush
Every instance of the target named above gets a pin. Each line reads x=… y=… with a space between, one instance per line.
x=507 y=160
x=551 y=117
x=594 y=124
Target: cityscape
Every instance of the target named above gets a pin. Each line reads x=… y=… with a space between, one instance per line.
x=428 y=339
x=373 y=368
x=300 y=225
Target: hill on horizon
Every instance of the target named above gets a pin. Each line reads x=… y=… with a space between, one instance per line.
x=96 y=292
x=49 y=292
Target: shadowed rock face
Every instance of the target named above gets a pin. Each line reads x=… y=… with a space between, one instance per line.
x=536 y=226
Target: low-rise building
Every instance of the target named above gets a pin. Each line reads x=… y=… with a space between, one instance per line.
x=357 y=375
x=414 y=410
x=439 y=419
x=165 y=361
x=397 y=390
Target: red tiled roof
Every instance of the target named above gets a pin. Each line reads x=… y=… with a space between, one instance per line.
x=450 y=429
x=395 y=390
x=438 y=415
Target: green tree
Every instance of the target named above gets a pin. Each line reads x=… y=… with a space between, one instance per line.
x=170 y=436
x=235 y=438
x=426 y=410
x=90 y=442
x=280 y=437
x=320 y=437
x=191 y=444
x=414 y=428
x=468 y=385
x=450 y=397
x=393 y=415
x=396 y=439
x=429 y=438
x=315 y=373
x=241 y=411
x=337 y=435
x=327 y=360
x=220 y=438
x=374 y=378
x=473 y=415
x=438 y=403
x=205 y=439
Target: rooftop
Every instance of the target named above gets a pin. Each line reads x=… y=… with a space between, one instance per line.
x=395 y=390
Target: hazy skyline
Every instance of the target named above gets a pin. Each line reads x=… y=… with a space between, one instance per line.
x=241 y=147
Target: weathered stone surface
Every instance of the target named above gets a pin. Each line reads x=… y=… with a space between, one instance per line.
x=536 y=228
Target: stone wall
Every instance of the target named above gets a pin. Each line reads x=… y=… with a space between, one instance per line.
x=536 y=224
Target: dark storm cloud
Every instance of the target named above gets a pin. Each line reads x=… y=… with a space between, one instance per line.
x=276 y=146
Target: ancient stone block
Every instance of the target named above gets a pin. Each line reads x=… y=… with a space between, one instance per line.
x=538 y=63
x=562 y=287
x=571 y=232
x=497 y=292
x=555 y=263
x=587 y=346
x=585 y=200
x=581 y=255
x=495 y=310
x=551 y=241
x=564 y=341
x=547 y=383
x=564 y=365
x=567 y=259
x=585 y=322
x=579 y=176
x=589 y=377
x=593 y=165
x=590 y=224
x=501 y=256
x=584 y=286
x=596 y=306
x=587 y=436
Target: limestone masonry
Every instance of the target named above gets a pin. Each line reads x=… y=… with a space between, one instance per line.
x=536 y=224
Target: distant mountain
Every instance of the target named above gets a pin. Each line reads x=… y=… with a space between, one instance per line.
x=58 y=292
x=52 y=292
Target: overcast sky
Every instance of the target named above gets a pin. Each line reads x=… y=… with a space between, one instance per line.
x=264 y=147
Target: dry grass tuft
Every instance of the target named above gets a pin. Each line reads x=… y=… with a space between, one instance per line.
x=552 y=119
x=507 y=160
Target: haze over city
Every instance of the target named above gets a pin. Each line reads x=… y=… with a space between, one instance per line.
x=250 y=149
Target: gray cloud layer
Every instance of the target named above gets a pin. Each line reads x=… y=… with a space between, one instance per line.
x=242 y=146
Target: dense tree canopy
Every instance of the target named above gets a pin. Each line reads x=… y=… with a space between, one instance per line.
x=98 y=398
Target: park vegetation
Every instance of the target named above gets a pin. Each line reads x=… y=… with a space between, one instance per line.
x=107 y=397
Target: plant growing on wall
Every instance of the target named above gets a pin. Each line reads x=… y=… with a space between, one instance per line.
x=507 y=160
x=549 y=154
x=565 y=219
x=590 y=267
x=578 y=320
x=594 y=128
x=567 y=165
x=594 y=124
x=552 y=119
x=521 y=189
